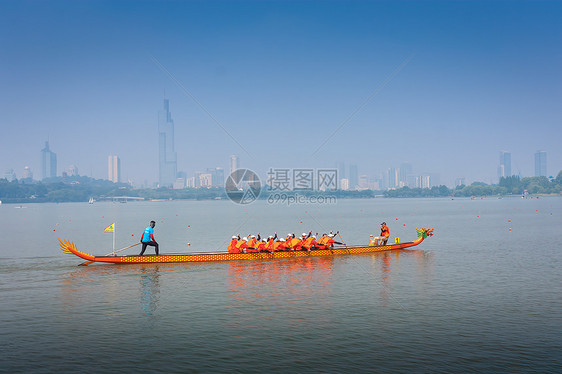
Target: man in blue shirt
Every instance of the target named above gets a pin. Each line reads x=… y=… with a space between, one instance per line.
x=147 y=238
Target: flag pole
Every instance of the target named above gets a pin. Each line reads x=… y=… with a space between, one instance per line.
x=113 y=252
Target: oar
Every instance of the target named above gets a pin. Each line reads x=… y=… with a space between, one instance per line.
x=343 y=241
x=122 y=249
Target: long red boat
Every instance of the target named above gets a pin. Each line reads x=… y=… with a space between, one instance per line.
x=70 y=248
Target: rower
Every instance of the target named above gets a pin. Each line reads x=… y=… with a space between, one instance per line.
x=309 y=243
x=241 y=245
x=279 y=246
x=330 y=242
x=232 y=245
x=271 y=243
x=322 y=242
x=261 y=246
x=252 y=242
x=297 y=244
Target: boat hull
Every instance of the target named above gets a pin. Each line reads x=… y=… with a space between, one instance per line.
x=70 y=247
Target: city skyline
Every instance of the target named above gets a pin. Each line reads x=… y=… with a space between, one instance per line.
x=446 y=85
x=392 y=178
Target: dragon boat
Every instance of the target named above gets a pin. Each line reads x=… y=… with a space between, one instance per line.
x=70 y=248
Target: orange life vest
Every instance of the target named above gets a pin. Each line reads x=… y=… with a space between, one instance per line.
x=385 y=231
x=252 y=242
x=309 y=243
x=232 y=246
x=295 y=244
x=261 y=246
x=240 y=246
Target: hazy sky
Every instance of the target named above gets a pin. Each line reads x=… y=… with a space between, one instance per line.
x=450 y=84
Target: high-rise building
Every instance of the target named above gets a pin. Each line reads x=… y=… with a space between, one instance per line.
x=540 y=164
x=10 y=175
x=234 y=163
x=114 y=169
x=48 y=162
x=167 y=157
x=218 y=177
x=72 y=170
x=27 y=175
x=341 y=170
x=393 y=176
x=504 y=170
x=405 y=172
x=353 y=177
x=460 y=181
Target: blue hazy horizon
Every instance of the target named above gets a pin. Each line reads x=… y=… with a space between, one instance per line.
x=451 y=84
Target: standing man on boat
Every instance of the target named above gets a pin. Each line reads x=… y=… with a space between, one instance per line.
x=147 y=238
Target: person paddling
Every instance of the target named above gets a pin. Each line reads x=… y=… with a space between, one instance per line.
x=147 y=238
x=233 y=243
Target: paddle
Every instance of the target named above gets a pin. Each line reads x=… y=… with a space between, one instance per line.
x=343 y=241
x=122 y=249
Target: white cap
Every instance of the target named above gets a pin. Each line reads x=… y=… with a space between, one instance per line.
x=313 y=236
x=244 y=238
x=330 y=235
x=303 y=234
x=234 y=237
x=252 y=236
x=281 y=240
x=270 y=236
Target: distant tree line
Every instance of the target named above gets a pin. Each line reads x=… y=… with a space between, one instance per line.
x=69 y=189
x=513 y=185
x=81 y=189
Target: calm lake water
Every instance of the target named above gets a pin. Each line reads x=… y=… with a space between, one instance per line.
x=482 y=295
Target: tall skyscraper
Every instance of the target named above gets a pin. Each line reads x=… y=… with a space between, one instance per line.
x=10 y=175
x=341 y=170
x=353 y=177
x=540 y=164
x=114 y=169
x=393 y=176
x=27 y=175
x=405 y=171
x=234 y=163
x=504 y=170
x=167 y=157
x=48 y=162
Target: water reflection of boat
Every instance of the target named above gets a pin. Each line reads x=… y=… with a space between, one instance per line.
x=70 y=247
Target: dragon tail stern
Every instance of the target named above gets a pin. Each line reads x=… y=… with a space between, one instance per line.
x=70 y=248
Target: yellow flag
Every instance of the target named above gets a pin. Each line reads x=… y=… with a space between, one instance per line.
x=110 y=228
